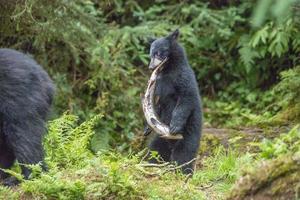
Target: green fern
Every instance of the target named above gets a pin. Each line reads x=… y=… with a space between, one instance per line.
x=66 y=143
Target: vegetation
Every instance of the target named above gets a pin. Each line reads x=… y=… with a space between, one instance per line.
x=246 y=58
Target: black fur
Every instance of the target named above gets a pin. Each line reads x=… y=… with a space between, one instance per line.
x=179 y=104
x=26 y=93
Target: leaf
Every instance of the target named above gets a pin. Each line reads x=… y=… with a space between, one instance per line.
x=247 y=56
x=279 y=44
x=261 y=35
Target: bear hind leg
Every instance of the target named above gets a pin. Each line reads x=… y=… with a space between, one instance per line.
x=26 y=144
x=7 y=159
x=184 y=153
x=161 y=146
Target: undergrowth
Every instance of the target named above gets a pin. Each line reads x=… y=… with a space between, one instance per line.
x=75 y=173
x=97 y=53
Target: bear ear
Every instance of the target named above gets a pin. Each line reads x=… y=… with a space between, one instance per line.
x=174 y=35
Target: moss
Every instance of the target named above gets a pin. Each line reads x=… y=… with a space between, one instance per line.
x=288 y=115
x=289 y=182
x=208 y=143
x=275 y=179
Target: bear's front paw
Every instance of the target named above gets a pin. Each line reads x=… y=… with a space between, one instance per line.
x=175 y=130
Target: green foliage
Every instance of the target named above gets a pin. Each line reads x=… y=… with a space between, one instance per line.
x=271 y=43
x=7 y=193
x=275 y=9
x=48 y=187
x=288 y=88
x=222 y=165
x=276 y=38
x=286 y=97
x=91 y=62
x=275 y=174
x=110 y=175
x=240 y=106
x=66 y=144
x=285 y=143
x=74 y=173
x=97 y=52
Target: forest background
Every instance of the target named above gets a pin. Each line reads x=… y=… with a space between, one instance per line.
x=245 y=55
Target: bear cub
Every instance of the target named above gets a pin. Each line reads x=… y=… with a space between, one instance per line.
x=179 y=103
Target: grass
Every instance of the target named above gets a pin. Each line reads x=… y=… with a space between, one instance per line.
x=76 y=173
x=111 y=175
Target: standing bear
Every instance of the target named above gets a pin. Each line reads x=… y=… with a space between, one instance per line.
x=26 y=93
x=178 y=105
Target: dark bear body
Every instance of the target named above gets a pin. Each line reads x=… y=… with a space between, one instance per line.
x=179 y=104
x=26 y=93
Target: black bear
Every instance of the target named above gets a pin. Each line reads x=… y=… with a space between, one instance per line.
x=179 y=103
x=26 y=93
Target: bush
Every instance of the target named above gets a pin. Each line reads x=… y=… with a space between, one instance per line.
x=288 y=95
x=97 y=52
